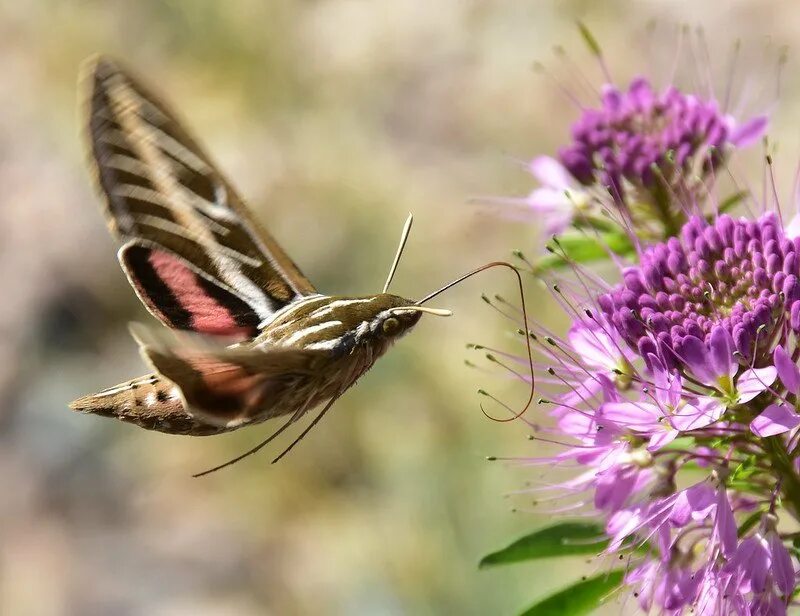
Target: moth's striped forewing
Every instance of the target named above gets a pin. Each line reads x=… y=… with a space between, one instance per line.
x=184 y=219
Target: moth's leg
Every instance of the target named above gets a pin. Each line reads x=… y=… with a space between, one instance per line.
x=315 y=422
x=297 y=415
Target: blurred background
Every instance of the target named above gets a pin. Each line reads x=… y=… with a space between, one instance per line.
x=335 y=118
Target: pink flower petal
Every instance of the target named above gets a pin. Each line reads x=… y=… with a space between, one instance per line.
x=754 y=381
x=554 y=208
x=551 y=173
x=725 y=524
x=720 y=346
x=639 y=416
x=776 y=419
x=594 y=345
x=782 y=569
x=752 y=559
x=694 y=503
x=546 y=200
x=694 y=417
x=748 y=133
x=792 y=229
x=661 y=439
x=695 y=353
x=787 y=370
x=620 y=525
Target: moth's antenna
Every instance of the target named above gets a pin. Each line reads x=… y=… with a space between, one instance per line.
x=483 y=268
x=272 y=436
x=403 y=240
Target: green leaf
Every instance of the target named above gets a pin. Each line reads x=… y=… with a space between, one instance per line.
x=749 y=523
x=583 y=248
x=579 y=599
x=564 y=539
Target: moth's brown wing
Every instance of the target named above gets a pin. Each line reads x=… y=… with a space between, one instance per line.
x=230 y=386
x=161 y=187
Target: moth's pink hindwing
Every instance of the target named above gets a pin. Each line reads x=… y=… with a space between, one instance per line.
x=183 y=297
x=230 y=386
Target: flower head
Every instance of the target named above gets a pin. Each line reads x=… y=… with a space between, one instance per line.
x=647 y=156
x=688 y=363
x=719 y=288
x=639 y=139
x=675 y=392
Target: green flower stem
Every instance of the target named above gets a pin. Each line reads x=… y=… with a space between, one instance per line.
x=661 y=205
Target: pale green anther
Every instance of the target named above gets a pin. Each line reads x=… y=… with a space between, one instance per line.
x=589 y=39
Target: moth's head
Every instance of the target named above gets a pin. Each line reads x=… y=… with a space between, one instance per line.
x=392 y=316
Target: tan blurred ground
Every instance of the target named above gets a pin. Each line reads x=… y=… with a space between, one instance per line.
x=335 y=118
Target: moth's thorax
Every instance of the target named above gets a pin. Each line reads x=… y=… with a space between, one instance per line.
x=339 y=324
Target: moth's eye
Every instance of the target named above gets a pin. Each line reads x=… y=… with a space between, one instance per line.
x=391 y=326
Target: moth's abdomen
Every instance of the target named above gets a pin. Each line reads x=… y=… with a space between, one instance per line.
x=151 y=402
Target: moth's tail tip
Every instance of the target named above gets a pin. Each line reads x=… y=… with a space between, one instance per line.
x=89 y=404
x=80 y=405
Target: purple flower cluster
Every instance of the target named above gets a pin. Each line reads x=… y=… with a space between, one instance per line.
x=733 y=283
x=643 y=137
x=687 y=366
x=639 y=153
x=675 y=392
